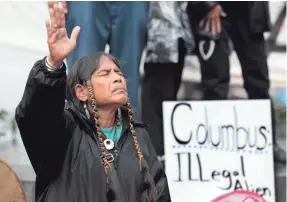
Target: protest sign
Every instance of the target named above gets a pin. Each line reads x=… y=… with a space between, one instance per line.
x=214 y=147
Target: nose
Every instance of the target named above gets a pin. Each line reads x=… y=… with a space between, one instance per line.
x=116 y=77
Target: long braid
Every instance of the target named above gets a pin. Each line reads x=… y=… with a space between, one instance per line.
x=97 y=125
x=111 y=195
x=148 y=186
x=135 y=139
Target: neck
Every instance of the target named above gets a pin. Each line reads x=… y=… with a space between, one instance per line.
x=106 y=117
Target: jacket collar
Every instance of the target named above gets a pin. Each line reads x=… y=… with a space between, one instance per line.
x=89 y=124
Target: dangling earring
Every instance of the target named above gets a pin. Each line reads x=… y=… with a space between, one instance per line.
x=119 y=117
x=86 y=111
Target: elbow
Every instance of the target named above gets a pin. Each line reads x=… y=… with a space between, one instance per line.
x=17 y=115
x=20 y=115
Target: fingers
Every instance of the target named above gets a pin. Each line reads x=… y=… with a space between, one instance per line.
x=53 y=22
x=63 y=3
x=62 y=16
x=57 y=15
x=207 y=25
x=51 y=4
x=65 y=6
x=213 y=27
x=52 y=33
x=218 y=25
x=52 y=27
x=75 y=34
x=49 y=31
x=223 y=14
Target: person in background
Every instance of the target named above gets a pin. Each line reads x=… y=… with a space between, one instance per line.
x=244 y=22
x=79 y=129
x=121 y=24
x=169 y=39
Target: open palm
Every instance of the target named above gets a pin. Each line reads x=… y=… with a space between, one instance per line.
x=60 y=45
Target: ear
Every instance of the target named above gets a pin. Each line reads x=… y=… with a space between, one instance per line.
x=82 y=92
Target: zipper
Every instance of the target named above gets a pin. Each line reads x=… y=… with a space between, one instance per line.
x=119 y=146
x=123 y=137
x=121 y=141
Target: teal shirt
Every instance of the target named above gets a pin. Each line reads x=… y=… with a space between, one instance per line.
x=114 y=133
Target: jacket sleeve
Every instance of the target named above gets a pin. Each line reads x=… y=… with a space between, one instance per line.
x=158 y=173
x=197 y=10
x=40 y=115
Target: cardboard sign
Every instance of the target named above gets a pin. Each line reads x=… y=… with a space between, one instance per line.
x=214 y=147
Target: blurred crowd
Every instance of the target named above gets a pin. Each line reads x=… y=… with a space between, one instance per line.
x=169 y=31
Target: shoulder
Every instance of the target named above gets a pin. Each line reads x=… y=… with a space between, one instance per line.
x=146 y=145
x=141 y=124
x=141 y=131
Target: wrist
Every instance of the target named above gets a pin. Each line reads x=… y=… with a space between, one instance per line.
x=54 y=64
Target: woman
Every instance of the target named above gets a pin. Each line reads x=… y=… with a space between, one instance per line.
x=88 y=149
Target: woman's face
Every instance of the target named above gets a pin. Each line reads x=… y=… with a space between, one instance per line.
x=109 y=84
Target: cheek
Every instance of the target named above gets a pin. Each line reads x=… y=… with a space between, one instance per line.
x=98 y=85
x=100 y=90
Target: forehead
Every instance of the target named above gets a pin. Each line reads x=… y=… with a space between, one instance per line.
x=106 y=63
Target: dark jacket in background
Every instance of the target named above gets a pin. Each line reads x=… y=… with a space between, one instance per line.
x=64 y=151
x=254 y=13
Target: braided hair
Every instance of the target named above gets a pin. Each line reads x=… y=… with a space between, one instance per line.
x=148 y=186
x=97 y=125
x=81 y=73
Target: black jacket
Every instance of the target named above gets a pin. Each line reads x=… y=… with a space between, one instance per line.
x=256 y=14
x=63 y=148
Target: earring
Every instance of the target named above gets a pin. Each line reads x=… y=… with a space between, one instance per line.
x=86 y=111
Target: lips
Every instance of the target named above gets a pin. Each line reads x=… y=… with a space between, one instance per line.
x=119 y=89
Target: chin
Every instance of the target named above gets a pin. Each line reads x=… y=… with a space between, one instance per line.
x=119 y=99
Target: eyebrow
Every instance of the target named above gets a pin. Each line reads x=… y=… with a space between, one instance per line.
x=108 y=69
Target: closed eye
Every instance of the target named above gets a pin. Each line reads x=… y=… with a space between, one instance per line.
x=119 y=72
x=104 y=72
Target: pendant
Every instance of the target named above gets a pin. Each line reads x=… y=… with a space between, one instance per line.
x=109 y=144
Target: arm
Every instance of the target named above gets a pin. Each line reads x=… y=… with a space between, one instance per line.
x=43 y=123
x=158 y=173
x=40 y=115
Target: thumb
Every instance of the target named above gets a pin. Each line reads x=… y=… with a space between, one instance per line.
x=223 y=14
x=75 y=34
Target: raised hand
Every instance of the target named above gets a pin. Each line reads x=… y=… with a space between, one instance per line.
x=60 y=45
